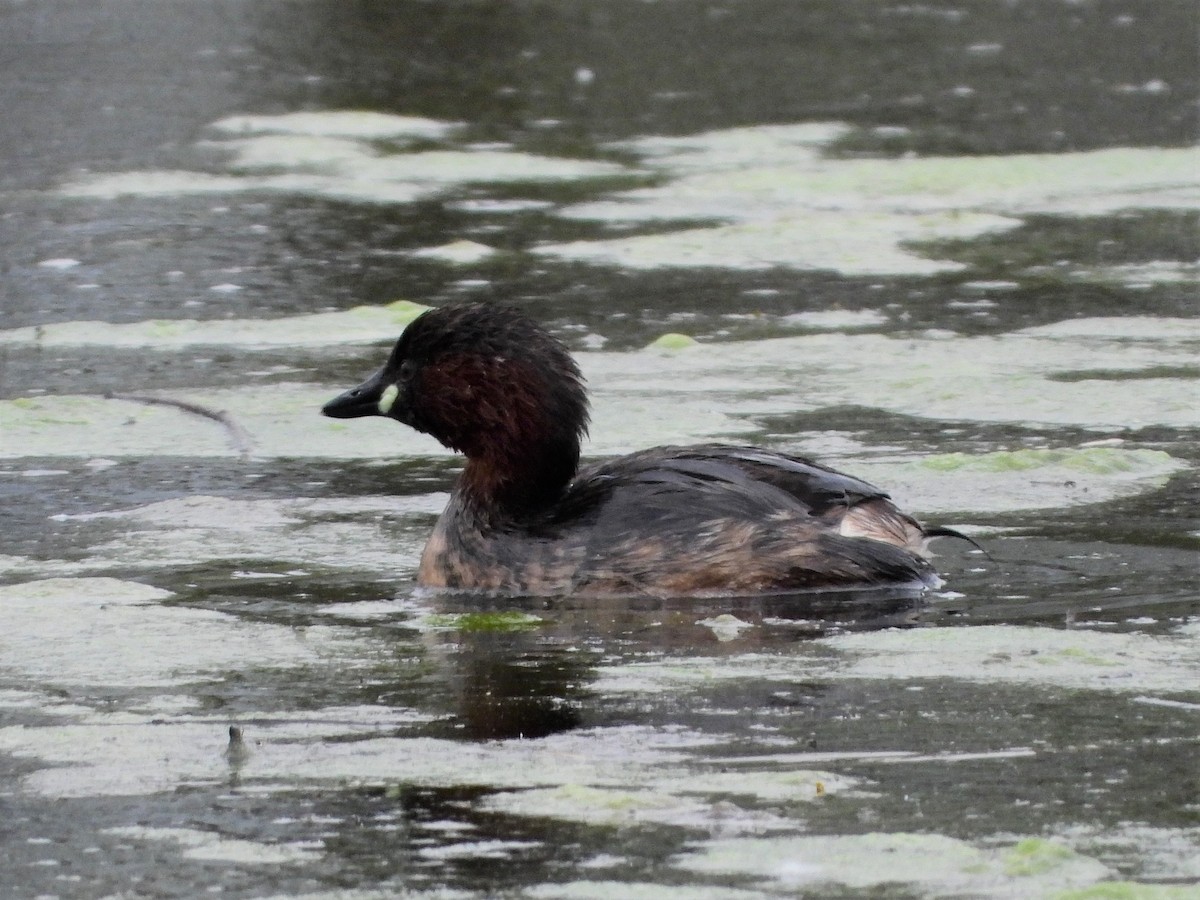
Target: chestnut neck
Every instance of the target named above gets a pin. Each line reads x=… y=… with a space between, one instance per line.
x=505 y=483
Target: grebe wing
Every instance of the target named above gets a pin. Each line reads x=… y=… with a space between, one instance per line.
x=815 y=485
x=759 y=474
x=709 y=517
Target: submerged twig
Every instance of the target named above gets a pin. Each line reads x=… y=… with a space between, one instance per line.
x=239 y=438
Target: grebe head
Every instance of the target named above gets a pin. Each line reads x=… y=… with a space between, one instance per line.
x=489 y=382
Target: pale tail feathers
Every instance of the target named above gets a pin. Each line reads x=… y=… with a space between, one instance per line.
x=879 y=520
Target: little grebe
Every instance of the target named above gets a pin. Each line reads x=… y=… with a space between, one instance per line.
x=487 y=381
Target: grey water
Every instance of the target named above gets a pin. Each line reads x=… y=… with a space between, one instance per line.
x=1029 y=729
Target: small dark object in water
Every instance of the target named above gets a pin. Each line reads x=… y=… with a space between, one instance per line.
x=237 y=751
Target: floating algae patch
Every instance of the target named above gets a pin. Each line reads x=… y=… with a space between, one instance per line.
x=1131 y=890
x=496 y=621
x=91 y=426
x=614 y=757
x=726 y=627
x=776 y=200
x=695 y=796
x=353 y=166
x=696 y=673
x=261 y=421
x=120 y=754
x=295 y=153
x=435 y=893
x=458 y=253
x=1136 y=275
x=1164 y=329
x=476 y=850
x=44 y=702
x=777 y=785
x=637 y=890
x=356 y=178
x=183 y=183
x=348 y=533
x=1086 y=460
x=139 y=756
x=836 y=319
x=11 y=565
x=640 y=806
x=358 y=124
x=1004 y=378
x=359 y=325
x=851 y=243
x=1181 y=372
x=1034 y=856
x=1007 y=480
x=673 y=341
x=246 y=516
x=343 y=155
x=1075 y=659
x=209 y=846
x=732 y=149
x=923 y=864
x=1143 y=851
x=102 y=631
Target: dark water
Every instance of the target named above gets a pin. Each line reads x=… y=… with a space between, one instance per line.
x=995 y=754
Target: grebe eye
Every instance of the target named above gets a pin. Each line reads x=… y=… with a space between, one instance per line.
x=406 y=369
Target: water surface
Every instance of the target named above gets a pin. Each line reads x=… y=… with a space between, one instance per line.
x=950 y=247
